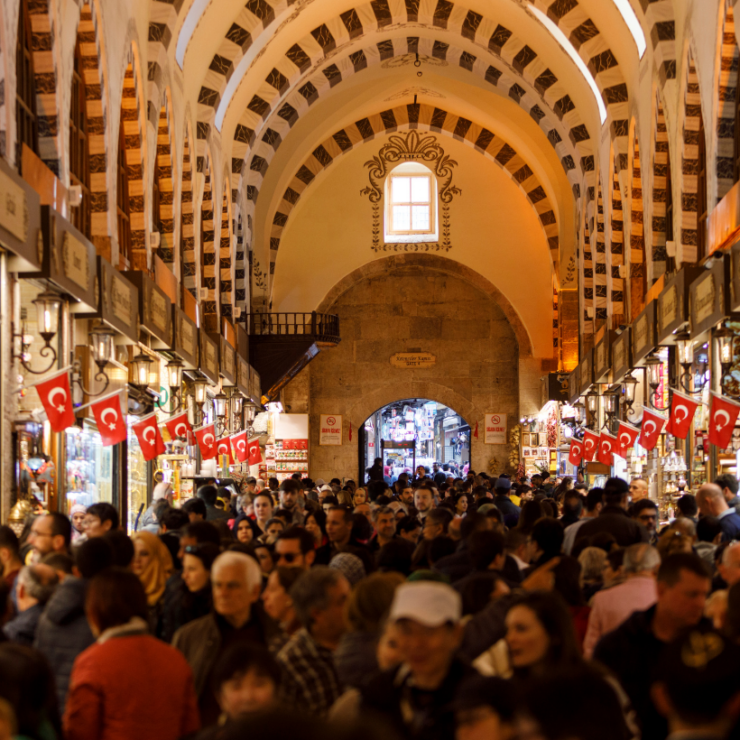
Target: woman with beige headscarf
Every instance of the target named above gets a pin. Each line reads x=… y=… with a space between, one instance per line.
x=153 y=565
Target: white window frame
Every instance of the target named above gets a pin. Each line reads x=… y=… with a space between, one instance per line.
x=392 y=236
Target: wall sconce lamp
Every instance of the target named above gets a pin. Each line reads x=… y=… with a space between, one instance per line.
x=48 y=305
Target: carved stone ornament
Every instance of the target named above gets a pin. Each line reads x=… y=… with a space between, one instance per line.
x=409 y=147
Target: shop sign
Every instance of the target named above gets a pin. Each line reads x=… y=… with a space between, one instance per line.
x=330 y=429
x=158 y=312
x=118 y=302
x=228 y=368
x=208 y=357
x=187 y=335
x=74 y=260
x=643 y=333
x=413 y=359
x=242 y=375
x=255 y=385
x=574 y=388
x=621 y=360
x=20 y=221
x=120 y=298
x=154 y=309
x=668 y=307
x=704 y=304
x=495 y=429
x=586 y=372
x=601 y=357
x=707 y=300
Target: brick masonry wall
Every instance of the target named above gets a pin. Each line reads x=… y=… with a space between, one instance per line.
x=476 y=370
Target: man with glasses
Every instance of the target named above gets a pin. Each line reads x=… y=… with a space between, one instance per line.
x=645 y=512
x=294 y=548
x=50 y=533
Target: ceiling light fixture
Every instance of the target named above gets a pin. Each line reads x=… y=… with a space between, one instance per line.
x=630 y=18
x=562 y=39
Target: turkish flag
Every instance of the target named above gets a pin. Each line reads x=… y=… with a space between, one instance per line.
x=576 y=452
x=682 y=412
x=150 y=439
x=652 y=426
x=111 y=421
x=722 y=418
x=590 y=445
x=206 y=437
x=627 y=436
x=239 y=443
x=608 y=444
x=223 y=447
x=255 y=454
x=178 y=426
x=56 y=397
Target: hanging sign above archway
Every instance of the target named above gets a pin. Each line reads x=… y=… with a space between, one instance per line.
x=413 y=359
x=495 y=429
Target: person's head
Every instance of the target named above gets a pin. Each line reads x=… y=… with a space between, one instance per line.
x=729 y=565
x=407 y=494
x=645 y=512
x=35 y=585
x=114 y=597
x=100 y=518
x=61 y=563
x=572 y=504
x=291 y=493
x=209 y=494
x=503 y=486
x=540 y=633
x=592 y=561
x=640 y=559
x=728 y=485
x=295 y=548
x=242 y=529
x=364 y=510
x=339 y=525
x=638 y=489
x=152 y=563
x=77 y=517
x=50 y=533
x=687 y=506
x=594 y=501
x=409 y=528
x=316 y=524
x=396 y=556
x=423 y=500
x=711 y=500
x=709 y=529
x=683 y=586
x=427 y=616
x=385 y=522
x=436 y=523
x=370 y=601
x=196 y=566
x=697 y=683
x=197 y=533
x=276 y=596
x=486 y=548
x=265 y=554
x=359 y=497
x=95 y=555
x=9 y=547
x=196 y=510
x=245 y=679
x=484 y=708
x=319 y=596
x=616 y=492
x=237 y=581
x=679 y=536
x=547 y=538
x=263 y=506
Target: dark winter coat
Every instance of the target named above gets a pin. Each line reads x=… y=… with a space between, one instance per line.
x=22 y=628
x=63 y=632
x=615 y=521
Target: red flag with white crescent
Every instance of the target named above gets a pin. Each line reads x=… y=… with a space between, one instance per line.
x=255 y=454
x=576 y=452
x=178 y=426
x=150 y=439
x=223 y=447
x=110 y=419
x=627 y=436
x=206 y=437
x=722 y=417
x=590 y=445
x=652 y=426
x=683 y=409
x=608 y=444
x=239 y=443
x=56 y=398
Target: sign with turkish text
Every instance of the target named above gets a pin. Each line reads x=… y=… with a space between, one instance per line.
x=495 y=429
x=330 y=429
x=413 y=359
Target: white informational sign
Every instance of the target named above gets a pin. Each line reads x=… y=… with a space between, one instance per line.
x=330 y=431
x=495 y=429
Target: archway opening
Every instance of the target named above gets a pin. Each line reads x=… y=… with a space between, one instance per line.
x=411 y=432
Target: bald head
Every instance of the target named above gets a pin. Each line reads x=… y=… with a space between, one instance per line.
x=710 y=500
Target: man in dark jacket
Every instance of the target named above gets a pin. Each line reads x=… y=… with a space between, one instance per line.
x=209 y=494
x=63 y=631
x=633 y=650
x=34 y=586
x=417 y=698
x=504 y=504
x=613 y=517
x=712 y=503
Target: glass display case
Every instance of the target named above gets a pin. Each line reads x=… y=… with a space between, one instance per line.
x=138 y=478
x=91 y=468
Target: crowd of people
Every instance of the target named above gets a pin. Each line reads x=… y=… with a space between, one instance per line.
x=431 y=607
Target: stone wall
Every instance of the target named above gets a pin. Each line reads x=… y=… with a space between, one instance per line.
x=410 y=309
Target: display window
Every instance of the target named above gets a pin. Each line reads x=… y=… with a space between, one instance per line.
x=90 y=468
x=137 y=477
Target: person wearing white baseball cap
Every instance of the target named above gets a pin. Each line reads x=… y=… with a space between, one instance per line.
x=417 y=697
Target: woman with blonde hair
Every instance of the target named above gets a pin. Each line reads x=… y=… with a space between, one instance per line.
x=152 y=564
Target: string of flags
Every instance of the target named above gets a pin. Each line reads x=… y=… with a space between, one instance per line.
x=603 y=446
x=55 y=395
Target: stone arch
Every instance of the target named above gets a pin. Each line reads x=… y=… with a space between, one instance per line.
x=425 y=118
x=225 y=258
x=164 y=175
x=601 y=267
x=587 y=281
x=637 y=272
x=434 y=263
x=662 y=193
x=616 y=252
x=727 y=103
x=189 y=271
x=660 y=18
x=209 y=279
x=4 y=109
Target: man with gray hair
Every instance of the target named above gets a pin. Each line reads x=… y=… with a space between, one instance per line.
x=310 y=681
x=636 y=593
x=237 y=617
x=33 y=588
